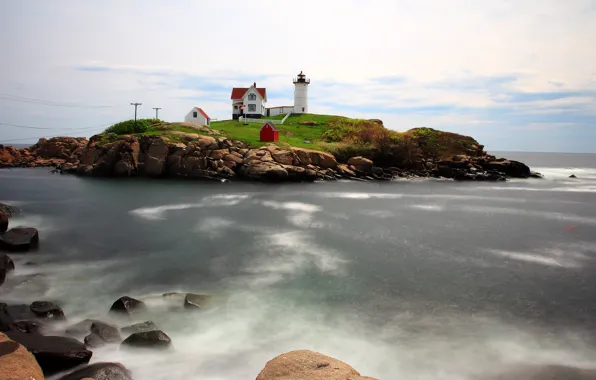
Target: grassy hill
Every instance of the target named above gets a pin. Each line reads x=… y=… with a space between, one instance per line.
x=342 y=136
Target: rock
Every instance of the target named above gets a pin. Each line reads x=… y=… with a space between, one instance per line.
x=44 y=309
x=128 y=305
x=343 y=169
x=267 y=171
x=16 y=363
x=314 y=157
x=283 y=157
x=94 y=341
x=20 y=239
x=139 y=327
x=6 y=266
x=53 y=353
x=154 y=154
x=510 y=168
x=19 y=312
x=80 y=329
x=106 y=332
x=361 y=164
x=195 y=301
x=219 y=154
x=60 y=147
x=100 y=371
x=29 y=327
x=9 y=211
x=573 y=176
x=307 y=365
x=155 y=339
x=3 y=222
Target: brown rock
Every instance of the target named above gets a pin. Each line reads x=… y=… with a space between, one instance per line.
x=268 y=171
x=314 y=157
x=207 y=142
x=343 y=169
x=59 y=147
x=361 y=164
x=307 y=365
x=16 y=363
x=100 y=371
x=219 y=154
x=235 y=158
x=155 y=151
x=283 y=157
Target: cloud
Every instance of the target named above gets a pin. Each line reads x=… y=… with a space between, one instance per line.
x=501 y=71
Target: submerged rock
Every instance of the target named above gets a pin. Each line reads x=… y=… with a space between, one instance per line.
x=80 y=329
x=510 y=168
x=106 y=332
x=20 y=239
x=195 y=301
x=53 y=353
x=29 y=327
x=156 y=339
x=6 y=266
x=100 y=371
x=44 y=309
x=128 y=306
x=573 y=176
x=16 y=363
x=308 y=365
x=139 y=327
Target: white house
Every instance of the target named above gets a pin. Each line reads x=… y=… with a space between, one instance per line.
x=248 y=102
x=198 y=116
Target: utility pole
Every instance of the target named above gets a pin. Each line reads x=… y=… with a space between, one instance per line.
x=136 y=105
x=156 y=112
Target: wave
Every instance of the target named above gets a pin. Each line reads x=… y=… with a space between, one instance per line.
x=157 y=212
x=540 y=214
x=294 y=206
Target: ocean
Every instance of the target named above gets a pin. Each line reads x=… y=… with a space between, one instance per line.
x=425 y=279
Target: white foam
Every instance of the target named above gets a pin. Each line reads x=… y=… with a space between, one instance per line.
x=158 y=212
x=294 y=206
x=540 y=214
x=564 y=173
x=428 y=207
x=382 y=214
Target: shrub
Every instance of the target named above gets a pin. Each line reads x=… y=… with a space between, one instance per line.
x=128 y=127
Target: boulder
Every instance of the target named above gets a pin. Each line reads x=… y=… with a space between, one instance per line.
x=573 y=176
x=155 y=339
x=44 y=309
x=308 y=365
x=195 y=301
x=314 y=157
x=94 y=341
x=361 y=164
x=139 y=327
x=100 y=371
x=128 y=306
x=283 y=157
x=20 y=239
x=3 y=222
x=7 y=210
x=235 y=158
x=266 y=171
x=16 y=363
x=155 y=152
x=19 y=312
x=53 y=353
x=510 y=168
x=6 y=266
x=59 y=147
x=106 y=332
x=219 y=154
x=29 y=327
x=80 y=329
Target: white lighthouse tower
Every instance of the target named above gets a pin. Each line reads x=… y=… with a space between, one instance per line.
x=301 y=93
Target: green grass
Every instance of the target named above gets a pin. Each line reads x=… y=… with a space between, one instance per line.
x=290 y=133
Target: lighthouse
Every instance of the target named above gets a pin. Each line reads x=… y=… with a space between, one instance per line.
x=301 y=93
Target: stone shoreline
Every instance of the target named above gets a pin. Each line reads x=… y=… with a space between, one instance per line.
x=206 y=157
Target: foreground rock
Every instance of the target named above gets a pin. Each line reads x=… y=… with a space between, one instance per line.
x=100 y=371
x=6 y=266
x=53 y=353
x=8 y=211
x=46 y=153
x=195 y=301
x=308 y=365
x=128 y=306
x=139 y=327
x=20 y=239
x=149 y=339
x=16 y=363
x=101 y=334
x=47 y=310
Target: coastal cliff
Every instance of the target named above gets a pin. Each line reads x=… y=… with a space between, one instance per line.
x=421 y=152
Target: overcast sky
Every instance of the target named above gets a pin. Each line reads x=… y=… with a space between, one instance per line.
x=516 y=75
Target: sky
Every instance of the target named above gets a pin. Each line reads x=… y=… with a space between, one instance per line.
x=518 y=75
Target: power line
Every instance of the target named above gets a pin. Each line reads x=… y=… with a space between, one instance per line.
x=22 y=126
x=156 y=112
x=136 y=105
x=52 y=103
x=57 y=134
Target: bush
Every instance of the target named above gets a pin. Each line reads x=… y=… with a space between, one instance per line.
x=128 y=127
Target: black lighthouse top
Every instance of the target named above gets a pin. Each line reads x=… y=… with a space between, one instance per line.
x=301 y=78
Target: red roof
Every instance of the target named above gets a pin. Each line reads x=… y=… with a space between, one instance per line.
x=238 y=92
x=271 y=125
x=203 y=113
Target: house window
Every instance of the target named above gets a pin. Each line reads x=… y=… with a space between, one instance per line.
x=252 y=108
x=302 y=109
x=252 y=97
x=235 y=107
x=194 y=114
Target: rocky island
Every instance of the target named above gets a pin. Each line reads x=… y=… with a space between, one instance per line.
x=348 y=149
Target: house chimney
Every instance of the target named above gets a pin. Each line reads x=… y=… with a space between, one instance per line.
x=255 y=84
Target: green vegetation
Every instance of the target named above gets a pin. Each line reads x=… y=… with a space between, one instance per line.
x=341 y=136
x=129 y=126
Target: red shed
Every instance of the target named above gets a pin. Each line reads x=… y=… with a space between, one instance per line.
x=269 y=133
